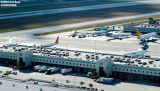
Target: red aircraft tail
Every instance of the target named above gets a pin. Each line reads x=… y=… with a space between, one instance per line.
x=57 y=40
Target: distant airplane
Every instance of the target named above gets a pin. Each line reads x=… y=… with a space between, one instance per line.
x=118 y=35
x=97 y=28
x=74 y=34
x=138 y=52
x=82 y=35
x=10 y=42
x=145 y=37
x=99 y=33
x=50 y=44
x=152 y=21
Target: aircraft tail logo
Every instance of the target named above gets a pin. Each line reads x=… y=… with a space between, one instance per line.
x=109 y=34
x=138 y=33
x=57 y=40
x=145 y=47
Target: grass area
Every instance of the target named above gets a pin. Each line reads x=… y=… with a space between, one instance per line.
x=58 y=5
x=86 y=27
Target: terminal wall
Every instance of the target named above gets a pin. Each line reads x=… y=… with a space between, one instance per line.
x=136 y=69
x=65 y=62
x=8 y=58
x=127 y=72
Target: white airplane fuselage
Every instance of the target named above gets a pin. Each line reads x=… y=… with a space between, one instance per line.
x=116 y=35
x=147 y=36
x=47 y=45
x=98 y=33
x=74 y=34
x=135 y=53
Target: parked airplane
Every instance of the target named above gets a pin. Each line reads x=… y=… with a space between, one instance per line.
x=99 y=33
x=97 y=28
x=50 y=44
x=138 y=52
x=152 y=21
x=145 y=37
x=10 y=42
x=82 y=35
x=74 y=34
x=118 y=35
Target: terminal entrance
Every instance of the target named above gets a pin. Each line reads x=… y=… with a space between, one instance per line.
x=101 y=72
x=21 y=63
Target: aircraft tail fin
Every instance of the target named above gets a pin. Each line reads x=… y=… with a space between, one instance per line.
x=10 y=39
x=151 y=21
x=57 y=40
x=106 y=30
x=145 y=47
x=138 y=33
x=109 y=34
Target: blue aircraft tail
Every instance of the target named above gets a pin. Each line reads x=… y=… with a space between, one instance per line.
x=106 y=30
x=145 y=47
x=109 y=34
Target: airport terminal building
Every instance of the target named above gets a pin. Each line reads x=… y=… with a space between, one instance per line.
x=143 y=28
x=104 y=65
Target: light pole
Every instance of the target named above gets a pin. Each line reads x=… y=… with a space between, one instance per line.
x=124 y=46
x=74 y=81
x=156 y=51
x=67 y=43
x=16 y=37
x=95 y=45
